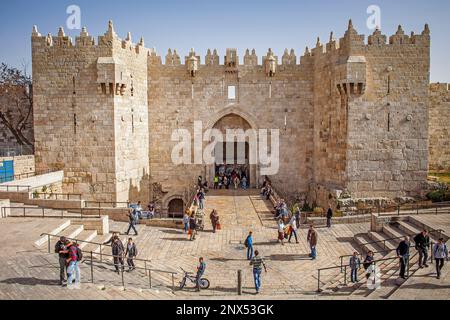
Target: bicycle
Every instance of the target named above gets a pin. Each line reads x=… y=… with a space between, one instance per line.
x=204 y=283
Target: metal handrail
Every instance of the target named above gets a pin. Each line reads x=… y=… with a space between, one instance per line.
x=148 y=271
x=348 y=266
x=17 y=187
x=63 y=195
x=100 y=203
x=397 y=238
x=26 y=175
x=65 y=212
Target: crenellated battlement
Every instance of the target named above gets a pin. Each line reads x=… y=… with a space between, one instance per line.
x=353 y=40
x=109 y=40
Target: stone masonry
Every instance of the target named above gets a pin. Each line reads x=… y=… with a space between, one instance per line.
x=439 y=127
x=352 y=115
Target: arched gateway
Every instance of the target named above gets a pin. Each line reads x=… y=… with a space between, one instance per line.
x=233 y=155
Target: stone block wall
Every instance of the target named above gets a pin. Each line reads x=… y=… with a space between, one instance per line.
x=439 y=127
x=22 y=164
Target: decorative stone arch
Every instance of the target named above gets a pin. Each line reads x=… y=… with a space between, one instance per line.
x=237 y=110
x=169 y=199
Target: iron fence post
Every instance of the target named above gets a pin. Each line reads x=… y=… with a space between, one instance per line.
x=150 y=277
x=342 y=262
x=318 y=280
x=101 y=254
x=345 y=276
x=92 y=268
x=43 y=213
x=431 y=252
x=173 y=282
x=239 y=282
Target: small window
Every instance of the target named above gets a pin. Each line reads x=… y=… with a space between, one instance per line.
x=231 y=92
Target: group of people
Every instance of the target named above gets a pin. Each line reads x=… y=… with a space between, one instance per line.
x=70 y=255
x=421 y=243
x=232 y=180
x=119 y=252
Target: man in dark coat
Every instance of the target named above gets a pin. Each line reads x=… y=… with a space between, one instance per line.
x=403 y=255
x=422 y=241
x=329 y=216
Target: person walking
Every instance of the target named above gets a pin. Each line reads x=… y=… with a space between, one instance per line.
x=133 y=221
x=201 y=199
x=131 y=253
x=403 y=255
x=117 y=252
x=422 y=241
x=368 y=261
x=214 y=217
x=312 y=240
x=192 y=228
x=244 y=182
x=63 y=254
x=355 y=265
x=186 y=221
x=281 y=227
x=440 y=252
x=249 y=245
x=200 y=272
x=216 y=182
x=73 y=269
x=329 y=216
x=293 y=229
x=257 y=262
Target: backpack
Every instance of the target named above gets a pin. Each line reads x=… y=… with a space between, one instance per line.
x=79 y=254
x=246 y=242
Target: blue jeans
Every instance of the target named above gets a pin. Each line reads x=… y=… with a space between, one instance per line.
x=73 y=270
x=202 y=204
x=186 y=227
x=257 y=277
x=250 y=253
x=313 y=252
x=354 y=275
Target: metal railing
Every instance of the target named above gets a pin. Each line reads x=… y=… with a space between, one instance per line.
x=15 y=188
x=385 y=249
x=8 y=177
x=411 y=209
x=55 y=196
x=148 y=271
x=373 y=263
x=106 y=204
x=42 y=212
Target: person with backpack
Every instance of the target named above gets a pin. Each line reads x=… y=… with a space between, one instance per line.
x=74 y=257
x=131 y=253
x=312 y=240
x=249 y=245
x=117 y=252
x=192 y=228
x=63 y=254
x=440 y=252
x=422 y=241
x=403 y=255
x=355 y=265
x=368 y=262
x=329 y=216
x=257 y=262
x=132 y=216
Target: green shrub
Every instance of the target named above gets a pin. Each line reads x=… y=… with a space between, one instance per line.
x=439 y=196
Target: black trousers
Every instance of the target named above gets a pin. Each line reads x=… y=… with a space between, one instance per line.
x=131 y=226
x=62 y=270
x=439 y=266
x=295 y=235
x=117 y=261
x=329 y=222
x=130 y=262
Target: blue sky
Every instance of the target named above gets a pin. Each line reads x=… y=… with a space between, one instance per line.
x=241 y=24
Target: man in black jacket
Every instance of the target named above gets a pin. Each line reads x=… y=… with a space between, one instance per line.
x=118 y=253
x=422 y=241
x=63 y=252
x=403 y=254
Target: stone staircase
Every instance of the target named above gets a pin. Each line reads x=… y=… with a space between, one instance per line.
x=383 y=245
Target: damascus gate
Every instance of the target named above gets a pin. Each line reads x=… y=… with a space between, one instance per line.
x=352 y=115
